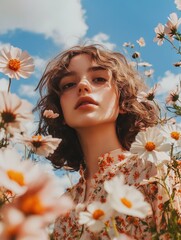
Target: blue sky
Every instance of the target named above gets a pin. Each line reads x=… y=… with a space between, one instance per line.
x=45 y=27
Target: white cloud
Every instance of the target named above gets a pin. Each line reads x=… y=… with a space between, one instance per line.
x=61 y=20
x=27 y=90
x=168 y=82
x=103 y=39
x=40 y=65
x=2 y=45
x=4 y=84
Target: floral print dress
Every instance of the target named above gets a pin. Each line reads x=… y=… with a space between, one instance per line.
x=136 y=173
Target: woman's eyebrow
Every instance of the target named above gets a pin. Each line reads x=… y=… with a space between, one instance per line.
x=68 y=73
x=96 y=68
x=90 y=69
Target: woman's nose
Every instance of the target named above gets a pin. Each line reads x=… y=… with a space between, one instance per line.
x=84 y=87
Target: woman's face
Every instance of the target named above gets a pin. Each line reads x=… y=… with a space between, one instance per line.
x=88 y=96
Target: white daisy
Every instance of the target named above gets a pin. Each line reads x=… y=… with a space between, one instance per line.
x=150 y=146
x=96 y=215
x=126 y=199
x=14 y=112
x=15 y=64
x=173 y=134
x=41 y=145
x=160 y=34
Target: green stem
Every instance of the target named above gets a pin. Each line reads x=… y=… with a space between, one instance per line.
x=9 y=84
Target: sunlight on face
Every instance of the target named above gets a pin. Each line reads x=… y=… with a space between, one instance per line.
x=88 y=96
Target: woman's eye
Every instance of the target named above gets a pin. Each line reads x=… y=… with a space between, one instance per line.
x=67 y=86
x=99 y=80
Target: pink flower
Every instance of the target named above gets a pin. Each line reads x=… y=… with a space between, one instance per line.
x=149 y=72
x=178 y=4
x=15 y=64
x=173 y=96
x=144 y=64
x=41 y=145
x=160 y=34
x=141 y=42
x=147 y=96
x=50 y=114
x=172 y=25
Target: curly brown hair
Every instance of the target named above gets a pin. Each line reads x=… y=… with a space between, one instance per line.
x=136 y=117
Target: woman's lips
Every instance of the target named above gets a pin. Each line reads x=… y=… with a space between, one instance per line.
x=85 y=101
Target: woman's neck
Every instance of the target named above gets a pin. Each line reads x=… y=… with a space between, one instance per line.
x=96 y=141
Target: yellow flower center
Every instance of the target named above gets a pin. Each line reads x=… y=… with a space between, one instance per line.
x=16 y=176
x=37 y=138
x=32 y=205
x=97 y=214
x=126 y=202
x=175 y=135
x=150 y=146
x=14 y=64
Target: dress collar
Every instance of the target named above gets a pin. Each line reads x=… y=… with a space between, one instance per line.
x=109 y=158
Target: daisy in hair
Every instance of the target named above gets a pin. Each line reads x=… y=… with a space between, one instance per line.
x=172 y=133
x=96 y=216
x=150 y=146
x=126 y=199
x=50 y=114
x=147 y=96
x=15 y=63
x=160 y=34
x=41 y=145
x=14 y=112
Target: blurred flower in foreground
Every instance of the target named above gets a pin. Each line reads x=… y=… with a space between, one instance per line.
x=173 y=134
x=149 y=145
x=178 y=4
x=141 y=42
x=14 y=112
x=41 y=145
x=126 y=199
x=17 y=226
x=15 y=64
x=96 y=215
x=15 y=174
x=50 y=114
x=160 y=34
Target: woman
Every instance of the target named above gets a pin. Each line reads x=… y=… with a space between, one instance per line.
x=94 y=91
